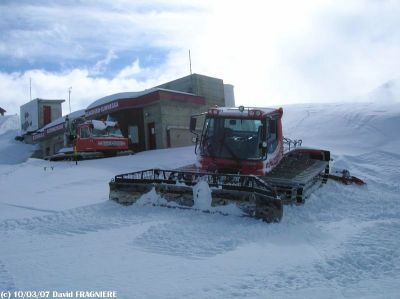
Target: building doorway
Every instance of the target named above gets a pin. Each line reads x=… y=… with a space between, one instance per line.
x=152 y=135
x=46 y=115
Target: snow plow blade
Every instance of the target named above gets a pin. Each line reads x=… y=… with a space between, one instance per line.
x=249 y=193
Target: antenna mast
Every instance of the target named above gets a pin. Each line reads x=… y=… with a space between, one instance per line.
x=69 y=98
x=190 y=62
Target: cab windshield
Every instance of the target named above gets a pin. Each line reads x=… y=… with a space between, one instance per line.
x=232 y=138
x=108 y=131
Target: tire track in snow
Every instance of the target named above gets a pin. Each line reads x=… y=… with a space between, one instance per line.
x=28 y=208
x=81 y=220
x=195 y=235
x=6 y=280
x=371 y=254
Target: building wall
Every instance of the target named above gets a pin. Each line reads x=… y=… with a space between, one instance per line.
x=31 y=114
x=52 y=145
x=175 y=123
x=55 y=109
x=212 y=89
x=152 y=114
x=132 y=118
x=229 y=95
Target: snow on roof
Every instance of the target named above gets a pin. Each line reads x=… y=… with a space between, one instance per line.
x=102 y=125
x=60 y=120
x=130 y=95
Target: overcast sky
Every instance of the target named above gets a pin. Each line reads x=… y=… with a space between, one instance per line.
x=273 y=52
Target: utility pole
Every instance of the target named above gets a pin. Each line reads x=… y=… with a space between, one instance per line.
x=30 y=89
x=69 y=98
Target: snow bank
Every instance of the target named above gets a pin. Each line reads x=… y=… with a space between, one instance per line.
x=9 y=123
x=12 y=151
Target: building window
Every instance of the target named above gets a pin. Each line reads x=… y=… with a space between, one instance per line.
x=134 y=134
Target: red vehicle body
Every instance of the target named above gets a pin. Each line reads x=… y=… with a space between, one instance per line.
x=99 y=136
x=247 y=142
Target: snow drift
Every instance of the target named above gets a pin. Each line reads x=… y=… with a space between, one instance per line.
x=12 y=151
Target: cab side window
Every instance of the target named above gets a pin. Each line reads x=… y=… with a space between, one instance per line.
x=272 y=135
x=85 y=133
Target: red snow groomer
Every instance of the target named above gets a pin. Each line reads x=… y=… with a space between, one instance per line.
x=100 y=136
x=245 y=160
x=93 y=139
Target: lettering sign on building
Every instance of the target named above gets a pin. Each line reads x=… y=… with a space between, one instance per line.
x=102 y=109
x=46 y=132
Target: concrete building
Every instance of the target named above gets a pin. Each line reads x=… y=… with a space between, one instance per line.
x=52 y=137
x=38 y=113
x=212 y=89
x=229 y=95
x=151 y=119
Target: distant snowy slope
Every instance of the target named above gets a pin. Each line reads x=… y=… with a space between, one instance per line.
x=386 y=93
x=354 y=128
x=11 y=151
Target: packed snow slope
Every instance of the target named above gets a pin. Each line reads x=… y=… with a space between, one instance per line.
x=59 y=232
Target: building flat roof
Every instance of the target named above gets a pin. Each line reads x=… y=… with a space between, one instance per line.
x=128 y=100
x=130 y=95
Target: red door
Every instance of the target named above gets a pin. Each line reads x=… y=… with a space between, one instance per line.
x=152 y=135
x=46 y=115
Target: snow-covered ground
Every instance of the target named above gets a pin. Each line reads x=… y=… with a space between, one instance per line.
x=58 y=231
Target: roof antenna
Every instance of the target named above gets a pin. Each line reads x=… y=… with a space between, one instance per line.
x=191 y=77
x=69 y=98
x=190 y=63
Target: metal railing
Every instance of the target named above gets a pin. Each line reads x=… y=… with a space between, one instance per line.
x=289 y=144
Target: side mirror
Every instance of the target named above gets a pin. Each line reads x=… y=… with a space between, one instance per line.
x=195 y=139
x=192 y=125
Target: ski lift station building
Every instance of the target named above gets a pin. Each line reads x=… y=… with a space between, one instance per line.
x=155 y=118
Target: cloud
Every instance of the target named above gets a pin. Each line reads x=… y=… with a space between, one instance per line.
x=87 y=29
x=129 y=71
x=273 y=52
x=85 y=88
x=101 y=65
